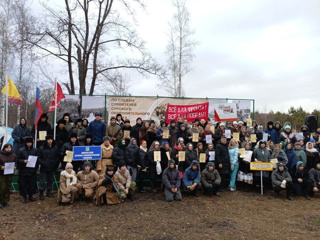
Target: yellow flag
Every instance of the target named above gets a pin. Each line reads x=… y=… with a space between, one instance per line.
x=13 y=94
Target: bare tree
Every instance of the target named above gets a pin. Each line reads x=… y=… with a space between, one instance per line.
x=179 y=49
x=87 y=36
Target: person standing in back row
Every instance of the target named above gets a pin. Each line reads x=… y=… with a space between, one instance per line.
x=222 y=161
x=98 y=129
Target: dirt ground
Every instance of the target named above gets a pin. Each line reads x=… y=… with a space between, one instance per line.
x=236 y=215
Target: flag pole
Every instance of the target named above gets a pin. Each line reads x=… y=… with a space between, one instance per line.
x=55 y=110
x=7 y=104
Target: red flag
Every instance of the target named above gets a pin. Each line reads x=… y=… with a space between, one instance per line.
x=60 y=96
x=38 y=109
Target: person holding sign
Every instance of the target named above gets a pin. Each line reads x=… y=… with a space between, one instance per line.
x=69 y=147
x=194 y=133
x=27 y=174
x=162 y=132
x=261 y=154
x=153 y=164
x=114 y=131
x=49 y=161
x=127 y=129
x=171 y=181
x=190 y=155
x=142 y=165
x=166 y=153
x=282 y=180
x=183 y=133
x=207 y=136
x=201 y=152
x=272 y=134
x=173 y=133
x=191 y=179
x=279 y=154
x=210 y=180
x=222 y=161
x=244 y=174
x=44 y=129
x=132 y=158
x=8 y=163
x=234 y=161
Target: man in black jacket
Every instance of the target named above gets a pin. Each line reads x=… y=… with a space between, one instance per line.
x=222 y=161
x=135 y=129
x=27 y=175
x=43 y=126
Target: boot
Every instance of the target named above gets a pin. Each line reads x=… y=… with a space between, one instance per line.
x=24 y=199
x=153 y=189
x=6 y=204
x=1 y=206
x=49 y=194
x=41 y=195
x=130 y=196
x=32 y=199
x=81 y=196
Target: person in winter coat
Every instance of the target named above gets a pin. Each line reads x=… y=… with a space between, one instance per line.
x=27 y=176
x=119 y=120
x=261 y=154
x=245 y=174
x=69 y=147
x=301 y=182
x=281 y=180
x=19 y=133
x=173 y=133
x=85 y=123
x=66 y=117
x=191 y=131
x=210 y=180
x=272 y=134
x=207 y=132
x=126 y=186
x=222 y=161
x=107 y=150
x=210 y=154
x=179 y=146
x=287 y=135
x=108 y=189
x=166 y=153
x=6 y=156
x=191 y=179
x=87 y=181
x=44 y=126
x=143 y=131
x=312 y=156
x=163 y=127
x=114 y=131
x=314 y=176
x=132 y=158
x=190 y=155
x=199 y=150
x=171 y=181
x=306 y=134
x=119 y=152
x=279 y=154
x=142 y=165
x=154 y=166
x=234 y=163
x=79 y=130
x=62 y=135
x=292 y=158
x=127 y=127
x=68 y=180
x=136 y=129
x=301 y=155
x=98 y=129
x=151 y=133
x=277 y=127
x=49 y=156
x=183 y=133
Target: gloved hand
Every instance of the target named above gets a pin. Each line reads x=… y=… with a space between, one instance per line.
x=232 y=167
x=106 y=181
x=283 y=184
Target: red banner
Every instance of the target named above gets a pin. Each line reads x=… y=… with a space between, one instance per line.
x=189 y=112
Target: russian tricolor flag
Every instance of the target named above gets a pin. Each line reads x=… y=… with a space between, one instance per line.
x=38 y=109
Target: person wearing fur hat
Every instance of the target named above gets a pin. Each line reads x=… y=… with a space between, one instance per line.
x=132 y=158
x=87 y=181
x=98 y=129
x=49 y=156
x=173 y=133
x=163 y=126
x=6 y=156
x=171 y=182
x=277 y=127
x=126 y=186
x=302 y=185
x=119 y=120
x=62 y=135
x=127 y=127
x=314 y=176
x=69 y=147
x=191 y=179
x=66 y=117
x=210 y=180
x=151 y=133
x=136 y=128
x=43 y=126
x=142 y=165
x=106 y=160
x=108 y=189
x=154 y=167
x=306 y=133
x=79 y=130
x=19 y=133
x=68 y=180
x=27 y=176
x=301 y=155
x=114 y=131
x=272 y=134
x=287 y=135
x=281 y=180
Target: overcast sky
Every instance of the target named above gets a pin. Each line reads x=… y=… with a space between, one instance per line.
x=267 y=50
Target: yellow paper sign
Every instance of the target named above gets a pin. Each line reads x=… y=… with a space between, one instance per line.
x=261 y=166
x=236 y=136
x=242 y=152
x=68 y=157
x=165 y=134
x=249 y=122
x=126 y=133
x=253 y=138
x=182 y=156
x=274 y=162
x=168 y=155
x=202 y=158
x=212 y=129
x=42 y=135
x=157 y=156
x=195 y=137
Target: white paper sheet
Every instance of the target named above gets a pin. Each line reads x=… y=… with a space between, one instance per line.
x=32 y=160
x=8 y=168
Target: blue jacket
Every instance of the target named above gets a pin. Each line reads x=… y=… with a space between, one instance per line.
x=234 y=155
x=191 y=176
x=273 y=135
x=292 y=160
x=98 y=131
x=18 y=133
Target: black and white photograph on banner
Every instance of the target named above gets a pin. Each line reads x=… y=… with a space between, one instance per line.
x=70 y=105
x=243 y=109
x=92 y=104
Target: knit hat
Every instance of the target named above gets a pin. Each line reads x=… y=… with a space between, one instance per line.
x=195 y=163
x=171 y=161
x=106 y=138
x=182 y=125
x=235 y=123
x=121 y=163
x=98 y=114
x=69 y=165
x=73 y=135
x=210 y=164
x=312 y=140
x=49 y=137
x=112 y=118
x=29 y=139
x=87 y=163
x=180 y=139
x=165 y=143
x=297 y=143
x=270 y=123
x=139 y=118
x=89 y=135
x=126 y=121
x=44 y=115
x=152 y=121
x=240 y=122
x=78 y=120
x=156 y=143
x=287 y=127
x=62 y=121
x=172 y=121
x=299 y=164
x=222 y=124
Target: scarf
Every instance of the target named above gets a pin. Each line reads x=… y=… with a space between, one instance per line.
x=152 y=129
x=144 y=148
x=312 y=150
x=69 y=176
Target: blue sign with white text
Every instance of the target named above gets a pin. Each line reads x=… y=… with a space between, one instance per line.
x=81 y=153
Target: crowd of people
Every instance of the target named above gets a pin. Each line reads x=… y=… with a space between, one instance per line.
x=185 y=158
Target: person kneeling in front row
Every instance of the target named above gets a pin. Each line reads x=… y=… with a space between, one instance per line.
x=171 y=181
x=314 y=176
x=68 y=180
x=210 y=180
x=126 y=186
x=88 y=180
x=281 y=180
x=191 y=179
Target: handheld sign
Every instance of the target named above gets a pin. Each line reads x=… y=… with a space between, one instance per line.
x=195 y=137
x=157 y=156
x=274 y=161
x=165 y=134
x=236 y=136
x=202 y=158
x=242 y=152
x=253 y=138
x=42 y=135
x=182 y=156
x=249 y=122
x=126 y=133
x=213 y=129
x=68 y=157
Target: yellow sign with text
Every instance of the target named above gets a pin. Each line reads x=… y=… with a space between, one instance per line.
x=261 y=166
